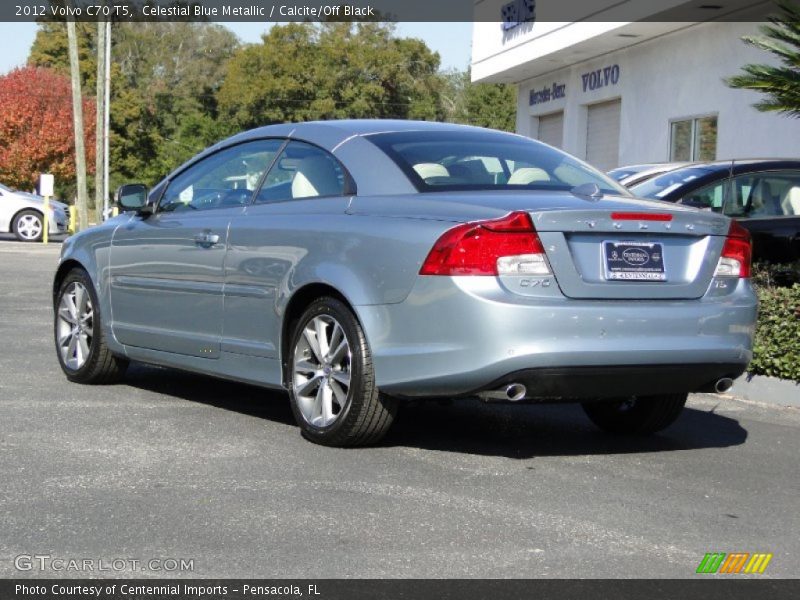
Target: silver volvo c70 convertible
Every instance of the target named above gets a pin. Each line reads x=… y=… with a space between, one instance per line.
x=358 y=264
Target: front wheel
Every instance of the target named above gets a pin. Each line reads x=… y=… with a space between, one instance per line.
x=636 y=415
x=332 y=381
x=80 y=343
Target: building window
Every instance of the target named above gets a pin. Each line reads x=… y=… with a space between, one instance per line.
x=693 y=139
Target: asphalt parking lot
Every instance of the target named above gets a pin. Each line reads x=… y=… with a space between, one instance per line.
x=174 y=465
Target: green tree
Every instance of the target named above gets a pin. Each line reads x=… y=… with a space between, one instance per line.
x=492 y=105
x=780 y=84
x=302 y=72
x=165 y=77
x=169 y=74
x=50 y=50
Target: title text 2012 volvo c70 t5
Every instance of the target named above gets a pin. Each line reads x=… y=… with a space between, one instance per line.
x=358 y=264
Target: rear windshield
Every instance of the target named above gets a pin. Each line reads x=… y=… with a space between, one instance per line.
x=661 y=186
x=466 y=160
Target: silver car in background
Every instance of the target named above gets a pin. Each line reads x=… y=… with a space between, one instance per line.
x=22 y=214
x=635 y=174
x=358 y=264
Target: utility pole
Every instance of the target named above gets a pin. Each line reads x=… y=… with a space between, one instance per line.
x=107 y=121
x=77 y=122
x=99 y=154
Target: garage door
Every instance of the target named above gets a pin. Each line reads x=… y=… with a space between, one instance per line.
x=602 y=135
x=551 y=129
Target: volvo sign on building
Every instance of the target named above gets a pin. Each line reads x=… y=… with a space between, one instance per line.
x=619 y=86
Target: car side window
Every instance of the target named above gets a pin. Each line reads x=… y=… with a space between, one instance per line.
x=303 y=171
x=710 y=197
x=773 y=194
x=226 y=179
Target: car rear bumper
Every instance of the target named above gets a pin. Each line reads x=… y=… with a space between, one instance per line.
x=458 y=336
x=617 y=381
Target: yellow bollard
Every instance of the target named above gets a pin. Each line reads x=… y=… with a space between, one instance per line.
x=46 y=225
x=73 y=219
x=115 y=211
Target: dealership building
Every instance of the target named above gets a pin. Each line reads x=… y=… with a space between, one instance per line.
x=622 y=92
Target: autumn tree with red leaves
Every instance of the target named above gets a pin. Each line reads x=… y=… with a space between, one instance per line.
x=36 y=134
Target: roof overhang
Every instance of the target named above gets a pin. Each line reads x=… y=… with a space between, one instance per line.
x=536 y=48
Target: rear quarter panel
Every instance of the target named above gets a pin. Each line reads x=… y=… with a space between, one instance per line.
x=371 y=259
x=275 y=250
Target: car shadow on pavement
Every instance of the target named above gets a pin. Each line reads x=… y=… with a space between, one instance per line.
x=467 y=426
x=238 y=397
x=529 y=430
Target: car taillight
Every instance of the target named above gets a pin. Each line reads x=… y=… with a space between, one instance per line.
x=736 y=253
x=506 y=246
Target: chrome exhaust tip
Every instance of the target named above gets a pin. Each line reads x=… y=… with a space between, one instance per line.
x=515 y=392
x=723 y=385
x=512 y=392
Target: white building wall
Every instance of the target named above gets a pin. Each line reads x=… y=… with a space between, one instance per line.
x=496 y=51
x=667 y=78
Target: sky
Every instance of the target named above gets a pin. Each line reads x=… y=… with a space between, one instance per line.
x=452 y=41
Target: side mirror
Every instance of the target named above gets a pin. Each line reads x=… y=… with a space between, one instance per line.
x=132 y=197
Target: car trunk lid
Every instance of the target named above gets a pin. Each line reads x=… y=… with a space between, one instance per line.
x=653 y=253
x=574 y=231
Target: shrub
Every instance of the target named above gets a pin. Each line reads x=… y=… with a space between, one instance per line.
x=776 y=275
x=776 y=350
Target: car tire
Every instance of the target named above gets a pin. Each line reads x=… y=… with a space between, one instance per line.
x=642 y=415
x=28 y=226
x=331 y=379
x=80 y=341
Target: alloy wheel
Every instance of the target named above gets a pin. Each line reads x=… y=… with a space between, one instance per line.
x=75 y=327
x=321 y=371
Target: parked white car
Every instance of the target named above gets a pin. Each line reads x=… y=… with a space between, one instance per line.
x=22 y=214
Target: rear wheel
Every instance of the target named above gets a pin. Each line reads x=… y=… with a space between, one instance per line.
x=80 y=344
x=28 y=226
x=332 y=381
x=636 y=415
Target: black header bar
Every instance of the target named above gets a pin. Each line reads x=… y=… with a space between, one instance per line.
x=705 y=587
x=507 y=13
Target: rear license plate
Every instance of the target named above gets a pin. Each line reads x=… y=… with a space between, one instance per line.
x=634 y=261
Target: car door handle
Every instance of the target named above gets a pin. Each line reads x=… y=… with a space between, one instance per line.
x=206 y=239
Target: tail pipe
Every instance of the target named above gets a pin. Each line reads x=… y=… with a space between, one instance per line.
x=512 y=392
x=723 y=385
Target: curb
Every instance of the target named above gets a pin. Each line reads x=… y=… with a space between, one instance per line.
x=768 y=390
x=28 y=247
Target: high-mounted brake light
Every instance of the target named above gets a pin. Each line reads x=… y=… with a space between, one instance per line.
x=505 y=246
x=736 y=253
x=641 y=216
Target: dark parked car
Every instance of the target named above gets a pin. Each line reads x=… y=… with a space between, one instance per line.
x=763 y=195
